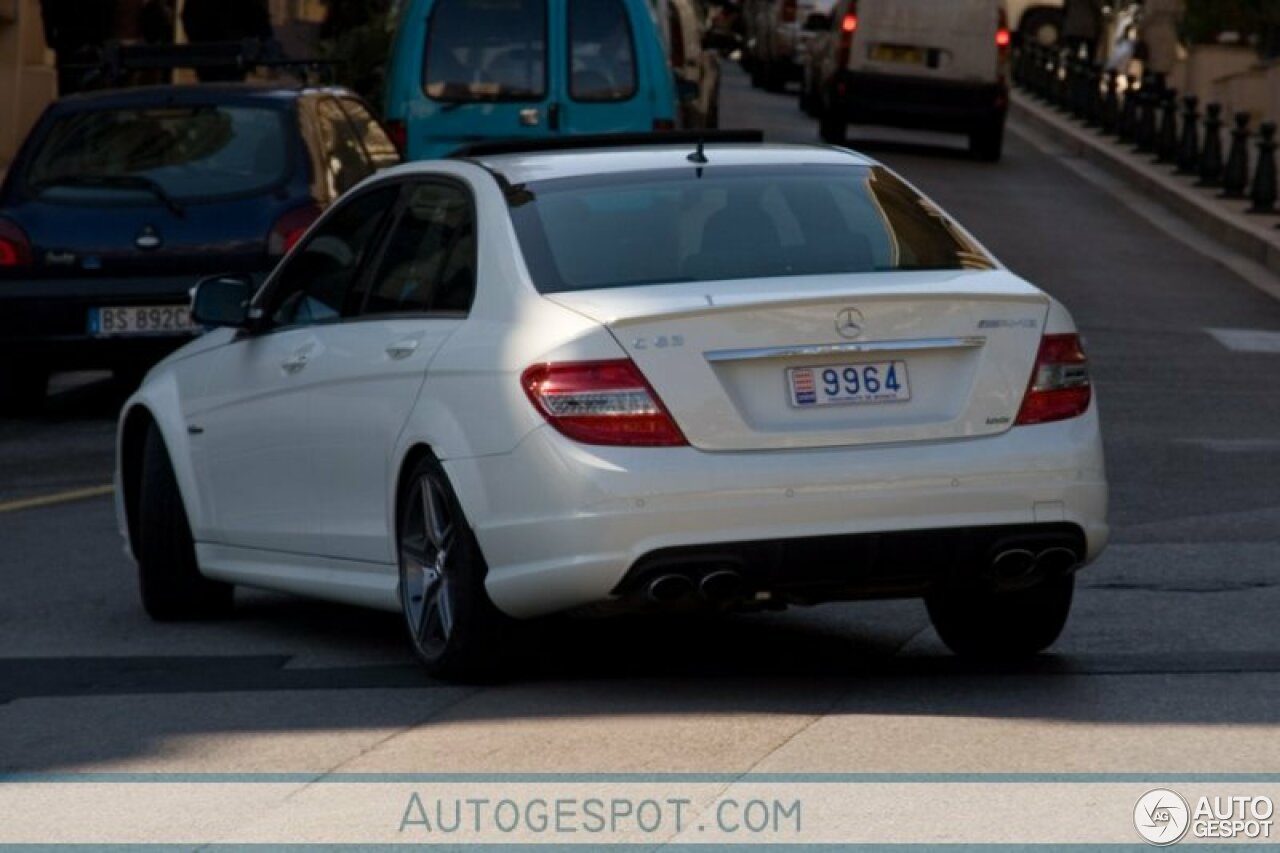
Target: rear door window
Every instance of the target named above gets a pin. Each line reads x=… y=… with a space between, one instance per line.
x=602 y=53
x=430 y=259
x=487 y=50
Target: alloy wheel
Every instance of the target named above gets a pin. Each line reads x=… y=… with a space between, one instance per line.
x=427 y=575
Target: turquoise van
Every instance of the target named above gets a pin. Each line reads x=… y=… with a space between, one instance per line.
x=466 y=71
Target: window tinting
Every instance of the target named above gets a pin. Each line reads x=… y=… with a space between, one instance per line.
x=602 y=55
x=318 y=283
x=732 y=222
x=429 y=263
x=487 y=50
x=191 y=152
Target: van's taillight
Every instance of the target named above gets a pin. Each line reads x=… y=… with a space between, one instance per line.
x=1004 y=38
x=663 y=124
x=789 y=11
x=601 y=402
x=848 y=27
x=1060 y=386
x=290 y=228
x=15 y=248
x=399 y=133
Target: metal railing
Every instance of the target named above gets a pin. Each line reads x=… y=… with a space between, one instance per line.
x=1149 y=116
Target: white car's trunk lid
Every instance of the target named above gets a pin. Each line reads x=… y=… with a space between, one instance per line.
x=718 y=353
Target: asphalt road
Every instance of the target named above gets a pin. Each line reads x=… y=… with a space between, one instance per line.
x=1171 y=661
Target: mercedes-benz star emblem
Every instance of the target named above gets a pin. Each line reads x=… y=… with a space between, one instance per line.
x=149 y=238
x=849 y=323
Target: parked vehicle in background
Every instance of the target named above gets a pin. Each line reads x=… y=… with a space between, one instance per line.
x=462 y=71
x=816 y=34
x=689 y=373
x=1036 y=20
x=782 y=41
x=926 y=64
x=696 y=68
x=119 y=201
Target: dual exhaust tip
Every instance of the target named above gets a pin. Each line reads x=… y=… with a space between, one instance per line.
x=1016 y=563
x=722 y=585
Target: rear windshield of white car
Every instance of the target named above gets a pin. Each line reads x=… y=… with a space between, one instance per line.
x=717 y=223
x=188 y=152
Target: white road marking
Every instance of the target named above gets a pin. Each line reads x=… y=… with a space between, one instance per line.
x=1234 y=445
x=1248 y=340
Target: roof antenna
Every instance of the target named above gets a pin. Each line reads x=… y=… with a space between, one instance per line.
x=699 y=156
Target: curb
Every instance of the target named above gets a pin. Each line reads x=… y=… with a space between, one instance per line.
x=1255 y=237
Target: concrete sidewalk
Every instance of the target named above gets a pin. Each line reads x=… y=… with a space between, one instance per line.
x=1255 y=237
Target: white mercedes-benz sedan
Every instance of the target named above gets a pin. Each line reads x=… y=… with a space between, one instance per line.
x=654 y=375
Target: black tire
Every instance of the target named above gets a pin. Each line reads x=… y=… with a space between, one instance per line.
x=832 y=127
x=22 y=390
x=987 y=141
x=1002 y=625
x=1043 y=26
x=758 y=74
x=170 y=581
x=453 y=626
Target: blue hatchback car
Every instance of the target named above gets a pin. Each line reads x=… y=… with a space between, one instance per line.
x=467 y=71
x=119 y=201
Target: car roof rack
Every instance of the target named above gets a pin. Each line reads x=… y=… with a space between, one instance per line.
x=117 y=61
x=607 y=140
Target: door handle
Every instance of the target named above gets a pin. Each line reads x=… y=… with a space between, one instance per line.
x=401 y=350
x=530 y=117
x=295 y=362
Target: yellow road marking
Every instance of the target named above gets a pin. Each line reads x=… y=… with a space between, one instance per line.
x=55 y=499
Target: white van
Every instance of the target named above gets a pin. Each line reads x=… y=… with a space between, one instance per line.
x=927 y=64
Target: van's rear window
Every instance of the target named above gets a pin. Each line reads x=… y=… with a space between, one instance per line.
x=486 y=50
x=731 y=222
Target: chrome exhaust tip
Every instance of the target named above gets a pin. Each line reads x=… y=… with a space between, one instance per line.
x=1056 y=561
x=721 y=586
x=1012 y=564
x=669 y=588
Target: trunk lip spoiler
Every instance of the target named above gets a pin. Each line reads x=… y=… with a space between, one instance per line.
x=807 y=350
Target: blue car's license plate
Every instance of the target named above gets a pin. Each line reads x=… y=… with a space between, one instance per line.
x=839 y=384
x=140 y=320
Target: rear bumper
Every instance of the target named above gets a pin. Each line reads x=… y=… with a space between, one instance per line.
x=48 y=321
x=561 y=524
x=915 y=102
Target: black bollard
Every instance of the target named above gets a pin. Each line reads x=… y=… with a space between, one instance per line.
x=1211 y=155
x=1111 y=104
x=1127 y=126
x=1235 y=178
x=1148 y=126
x=1189 y=145
x=1265 y=189
x=1167 y=137
x=1094 y=112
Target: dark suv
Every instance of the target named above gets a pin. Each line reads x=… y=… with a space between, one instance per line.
x=119 y=201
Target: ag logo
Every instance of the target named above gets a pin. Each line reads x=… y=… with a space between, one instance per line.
x=1162 y=817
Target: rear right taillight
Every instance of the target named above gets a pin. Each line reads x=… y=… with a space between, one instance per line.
x=290 y=228
x=601 y=402
x=15 y=248
x=1060 y=386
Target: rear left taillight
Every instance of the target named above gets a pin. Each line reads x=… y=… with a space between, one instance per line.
x=399 y=133
x=848 y=27
x=15 y=248
x=1004 y=38
x=1060 y=386
x=663 y=124
x=289 y=229
x=601 y=402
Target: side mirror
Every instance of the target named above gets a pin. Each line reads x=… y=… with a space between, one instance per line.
x=222 y=300
x=817 y=23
